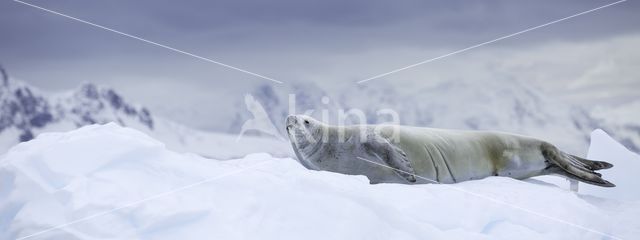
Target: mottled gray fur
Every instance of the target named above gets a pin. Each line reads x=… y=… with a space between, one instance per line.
x=415 y=155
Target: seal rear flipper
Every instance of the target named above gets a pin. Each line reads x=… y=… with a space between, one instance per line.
x=594 y=165
x=572 y=167
x=597 y=180
x=392 y=156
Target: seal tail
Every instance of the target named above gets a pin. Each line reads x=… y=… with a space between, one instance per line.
x=574 y=167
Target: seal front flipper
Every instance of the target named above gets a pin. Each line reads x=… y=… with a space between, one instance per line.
x=392 y=156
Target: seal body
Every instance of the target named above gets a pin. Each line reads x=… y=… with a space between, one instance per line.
x=449 y=156
x=404 y=154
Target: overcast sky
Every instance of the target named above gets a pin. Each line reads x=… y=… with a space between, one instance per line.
x=327 y=42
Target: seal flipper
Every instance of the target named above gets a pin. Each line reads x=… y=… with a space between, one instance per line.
x=573 y=167
x=594 y=165
x=392 y=156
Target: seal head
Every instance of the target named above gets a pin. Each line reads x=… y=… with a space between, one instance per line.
x=305 y=134
x=320 y=147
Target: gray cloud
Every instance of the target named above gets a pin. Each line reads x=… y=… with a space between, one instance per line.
x=325 y=25
x=322 y=41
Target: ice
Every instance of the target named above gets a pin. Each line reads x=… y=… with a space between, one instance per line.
x=626 y=167
x=110 y=182
x=624 y=173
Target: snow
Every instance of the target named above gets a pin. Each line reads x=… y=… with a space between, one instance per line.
x=216 y=145
x=110 y=182
x=625 y=170
x=180 y=138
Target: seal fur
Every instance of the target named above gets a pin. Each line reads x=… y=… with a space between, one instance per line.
x=417 y=155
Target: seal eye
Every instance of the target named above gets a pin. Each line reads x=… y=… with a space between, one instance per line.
x=306 y=122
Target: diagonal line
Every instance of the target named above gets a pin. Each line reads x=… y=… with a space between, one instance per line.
x=150 y=42
x=138 y=202
x=498 y=201
x=488 y=42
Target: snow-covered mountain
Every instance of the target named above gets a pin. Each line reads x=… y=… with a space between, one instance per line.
x=26 y=112
x=501 y=105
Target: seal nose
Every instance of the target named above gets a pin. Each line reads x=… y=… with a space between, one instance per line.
x=291 y=121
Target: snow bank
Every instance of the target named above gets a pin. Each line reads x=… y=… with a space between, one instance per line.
x=108 y=182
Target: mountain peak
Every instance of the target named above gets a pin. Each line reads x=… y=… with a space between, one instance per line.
x=90 y=98
x=26 y=111
x=5 y=77
x=88 y=90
